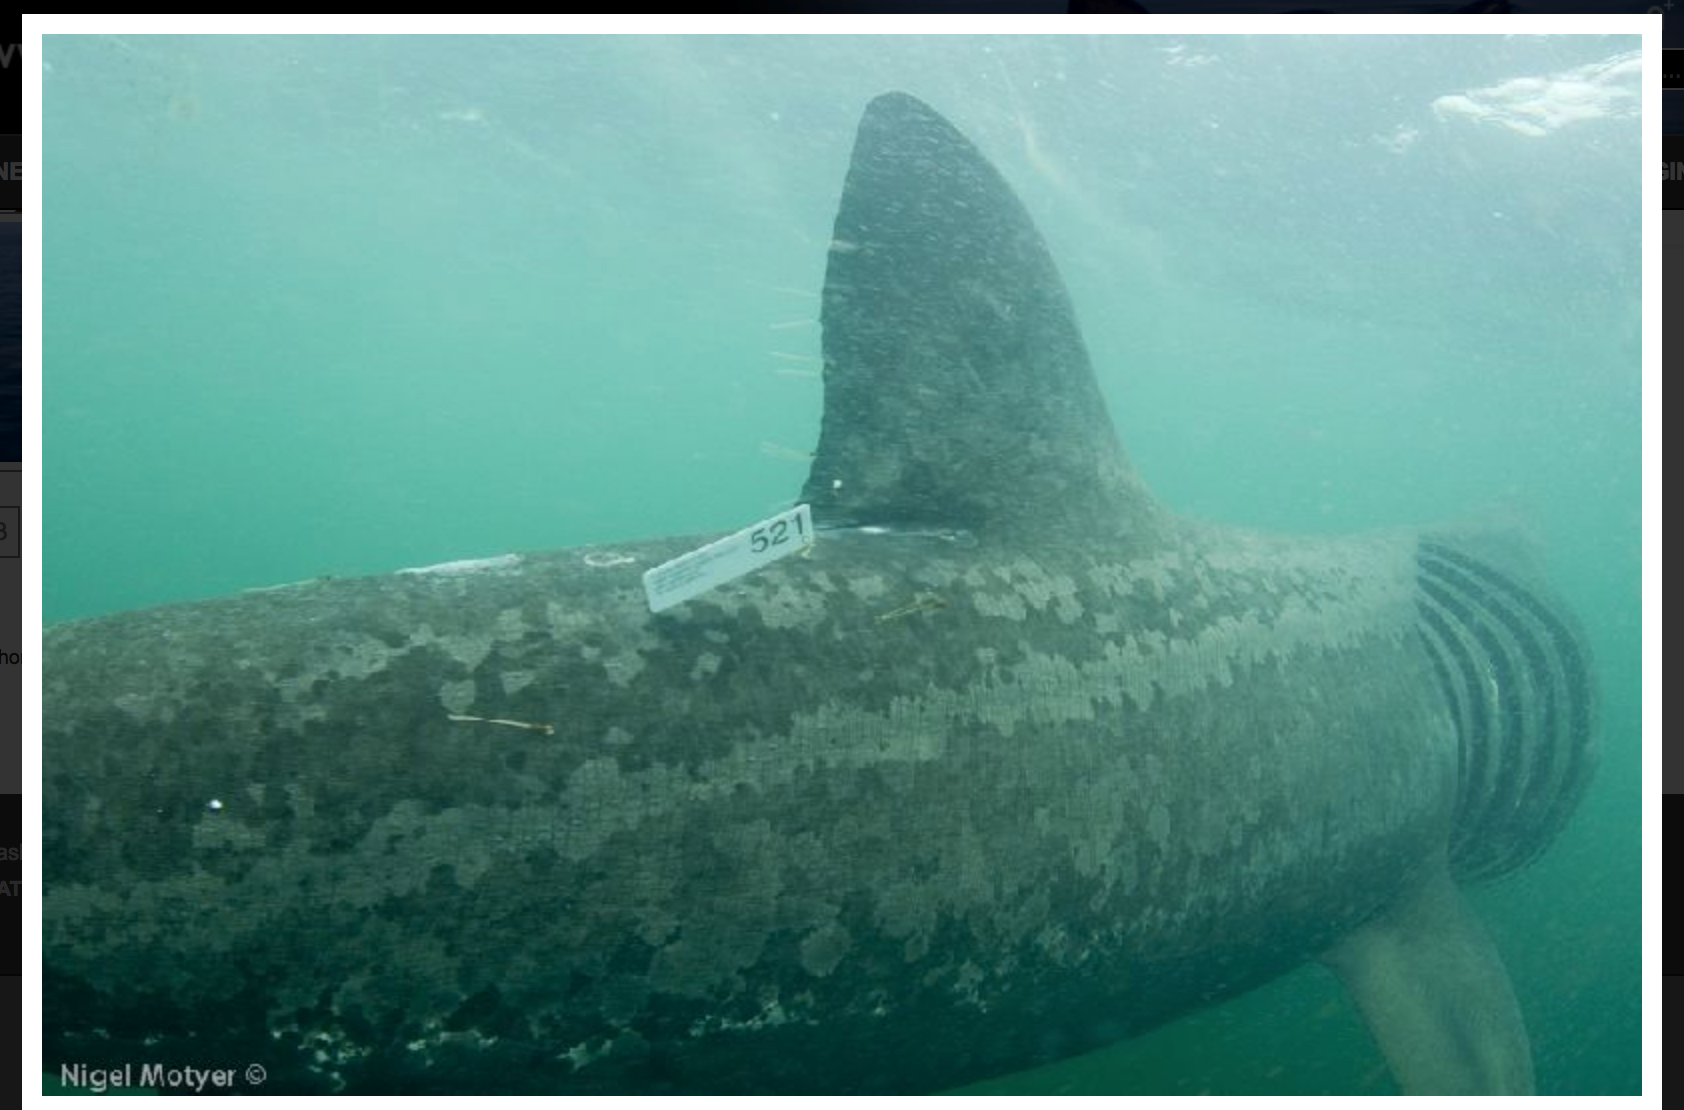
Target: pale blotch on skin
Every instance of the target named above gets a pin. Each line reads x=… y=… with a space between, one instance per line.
x=1009 y=606
x=516 y=681
x=707 y=665
x=468 y=650
x=823 y=948
x=624 y=666
x=457 y=697
x=789 y=607
x=1057 y=591
x=939 y=573
x=869 y=588
x=566 y=624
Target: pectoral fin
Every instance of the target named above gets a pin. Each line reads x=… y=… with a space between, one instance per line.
x=1434 y=993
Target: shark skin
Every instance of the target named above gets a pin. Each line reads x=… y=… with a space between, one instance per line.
x=1009 y=764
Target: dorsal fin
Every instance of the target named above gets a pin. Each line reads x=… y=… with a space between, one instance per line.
x=958 y=392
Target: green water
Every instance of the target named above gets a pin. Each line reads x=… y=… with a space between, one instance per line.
x=322 y=306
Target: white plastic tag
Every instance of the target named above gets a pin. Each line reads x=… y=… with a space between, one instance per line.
x=723 y=560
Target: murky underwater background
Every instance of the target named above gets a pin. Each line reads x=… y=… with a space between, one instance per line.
x=338 y=306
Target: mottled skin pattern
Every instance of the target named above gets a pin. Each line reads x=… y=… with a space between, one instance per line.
x=1010 y=764
x=776 y=841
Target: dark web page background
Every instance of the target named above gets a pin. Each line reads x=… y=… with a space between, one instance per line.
x=1672 y=76
x=11 y=454
x=11 y=339
x=11 y=565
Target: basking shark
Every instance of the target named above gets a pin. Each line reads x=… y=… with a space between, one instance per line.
x=1009 y=763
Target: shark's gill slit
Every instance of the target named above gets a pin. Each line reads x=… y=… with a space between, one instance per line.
x=1528 y=761
x=1548 y=757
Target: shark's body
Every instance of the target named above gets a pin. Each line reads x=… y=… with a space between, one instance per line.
x=1010 y=764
